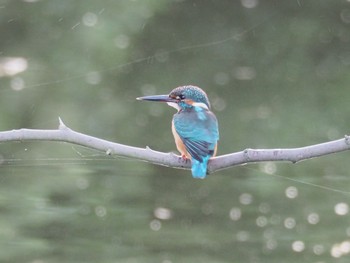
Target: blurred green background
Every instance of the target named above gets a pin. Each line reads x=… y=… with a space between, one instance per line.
x=277 y=74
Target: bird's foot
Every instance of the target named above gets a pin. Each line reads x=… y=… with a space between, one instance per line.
x=184 y=158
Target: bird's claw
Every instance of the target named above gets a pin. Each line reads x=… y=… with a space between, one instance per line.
x=184 y=158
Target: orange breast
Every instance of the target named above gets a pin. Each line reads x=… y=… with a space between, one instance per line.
x=215 y=150
x=179 y=144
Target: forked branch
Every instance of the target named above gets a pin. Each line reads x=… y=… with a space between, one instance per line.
x=65 y=134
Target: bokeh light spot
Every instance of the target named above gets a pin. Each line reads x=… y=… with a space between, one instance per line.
x=318 y=249
x=261 y=221
x=249 y=3
x=93 y=77
x=289 y=222
x=313 y=218
x=90 y=19
x=17 y=83
x=221 y=78
x=243 y=236
x=298 y=246
x=291 y=192
x=122 y=41
x=235 y=213
x=100 y=211
x=10 y=66
x=341 y=209
x=163 y=213
x=155 y=225
x=246 y=199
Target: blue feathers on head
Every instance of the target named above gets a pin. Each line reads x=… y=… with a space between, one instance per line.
x=190 y=92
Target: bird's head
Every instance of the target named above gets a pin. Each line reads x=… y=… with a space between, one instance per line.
x=184 y=97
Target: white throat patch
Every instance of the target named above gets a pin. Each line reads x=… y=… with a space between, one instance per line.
x=194 y=104
x=174 y=105
x=201 y=105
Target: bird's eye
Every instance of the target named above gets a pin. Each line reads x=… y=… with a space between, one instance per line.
x=180 y=97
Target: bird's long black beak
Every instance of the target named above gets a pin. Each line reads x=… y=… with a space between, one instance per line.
x=160 y=98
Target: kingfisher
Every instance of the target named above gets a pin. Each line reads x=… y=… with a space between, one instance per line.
x=194 y=126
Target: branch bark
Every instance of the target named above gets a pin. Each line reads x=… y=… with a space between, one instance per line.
x=65 y=134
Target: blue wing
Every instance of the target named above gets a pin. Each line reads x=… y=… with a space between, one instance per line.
x=198 y=130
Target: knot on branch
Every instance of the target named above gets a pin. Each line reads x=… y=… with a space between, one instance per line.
x=347 y=139
x=246 y=154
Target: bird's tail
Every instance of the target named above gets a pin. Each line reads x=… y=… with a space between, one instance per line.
x=199 y=169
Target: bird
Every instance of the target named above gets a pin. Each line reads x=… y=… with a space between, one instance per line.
x=194 y=126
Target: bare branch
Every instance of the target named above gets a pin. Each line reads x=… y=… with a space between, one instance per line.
x=65 y=134
x=293 y=155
